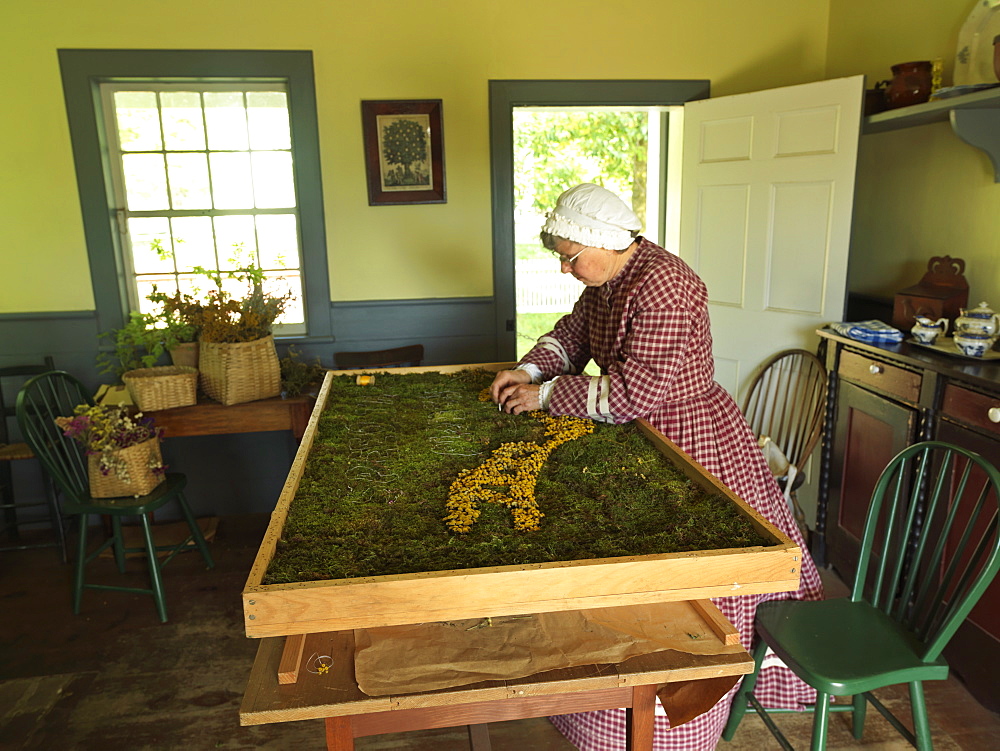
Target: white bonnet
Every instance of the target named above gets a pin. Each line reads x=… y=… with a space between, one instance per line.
x=591 y=215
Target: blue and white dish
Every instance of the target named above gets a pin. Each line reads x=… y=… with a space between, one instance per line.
x=974 y=345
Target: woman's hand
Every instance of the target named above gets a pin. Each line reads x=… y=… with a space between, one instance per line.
x=514 y=392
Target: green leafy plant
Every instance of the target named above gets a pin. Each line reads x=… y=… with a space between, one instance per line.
x=296 y=375
x=142 y=341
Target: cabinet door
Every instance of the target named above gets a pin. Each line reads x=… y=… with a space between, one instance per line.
x=974 y=651
x=870 y=430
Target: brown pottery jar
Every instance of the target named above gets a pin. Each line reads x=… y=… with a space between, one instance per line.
x=911 y=84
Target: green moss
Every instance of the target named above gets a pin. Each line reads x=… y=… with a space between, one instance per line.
x=372 y=497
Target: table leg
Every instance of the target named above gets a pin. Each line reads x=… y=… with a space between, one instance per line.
x=339 y=736
x=639 y=718
x=479 y=737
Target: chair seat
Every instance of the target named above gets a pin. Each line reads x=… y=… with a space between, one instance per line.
x=129 y=505
x=842 y=647
x=13 y=451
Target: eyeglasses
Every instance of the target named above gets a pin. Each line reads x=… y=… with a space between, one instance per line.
x=563 y=259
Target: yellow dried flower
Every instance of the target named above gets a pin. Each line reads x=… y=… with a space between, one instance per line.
x=514 y=466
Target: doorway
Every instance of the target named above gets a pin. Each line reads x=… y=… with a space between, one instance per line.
x=516 y=218
x=624 y=149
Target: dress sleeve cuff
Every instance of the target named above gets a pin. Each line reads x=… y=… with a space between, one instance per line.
x=545 y=392
x=532 y=370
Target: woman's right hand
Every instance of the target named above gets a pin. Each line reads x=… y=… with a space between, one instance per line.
x=507 y=378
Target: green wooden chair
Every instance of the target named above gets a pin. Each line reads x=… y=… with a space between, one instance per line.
x=929 y=551
x=55 y=394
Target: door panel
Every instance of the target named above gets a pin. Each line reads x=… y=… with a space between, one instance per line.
x=722 y=216
x=870 y=430
x=766 y=201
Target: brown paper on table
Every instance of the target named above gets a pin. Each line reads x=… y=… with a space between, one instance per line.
x=433 y=656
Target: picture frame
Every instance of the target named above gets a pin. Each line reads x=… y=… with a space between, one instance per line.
x=404 y=151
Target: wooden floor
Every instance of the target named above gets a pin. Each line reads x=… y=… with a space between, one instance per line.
x=114 y=677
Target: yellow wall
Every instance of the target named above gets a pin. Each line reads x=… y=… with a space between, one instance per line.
x=921 y=192
x=379 y=49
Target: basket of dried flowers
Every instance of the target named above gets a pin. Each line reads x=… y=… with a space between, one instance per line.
x=163 y=387
x=237 y=372
x=123 y=450
x=237 y=361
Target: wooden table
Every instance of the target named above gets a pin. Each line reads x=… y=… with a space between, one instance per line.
x=208 y=417
x=335 y=697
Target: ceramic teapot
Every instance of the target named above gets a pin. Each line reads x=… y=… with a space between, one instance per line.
x=926 y=331
x=981 y=320
x=974 y=344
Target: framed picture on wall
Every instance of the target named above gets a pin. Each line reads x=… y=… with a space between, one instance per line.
x=404 y=151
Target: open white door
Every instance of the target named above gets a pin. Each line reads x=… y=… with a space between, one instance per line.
x=766 y=200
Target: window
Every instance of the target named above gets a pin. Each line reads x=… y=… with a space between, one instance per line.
x=203 y=179
x=198 y=160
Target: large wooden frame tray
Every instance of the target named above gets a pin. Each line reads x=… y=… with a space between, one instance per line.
x=370 y=602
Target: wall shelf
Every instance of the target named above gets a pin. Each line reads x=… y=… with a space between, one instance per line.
x=975 y=118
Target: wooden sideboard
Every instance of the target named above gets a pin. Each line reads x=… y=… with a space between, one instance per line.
x=881 y=399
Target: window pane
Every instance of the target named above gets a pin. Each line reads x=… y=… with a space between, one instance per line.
x=273 y=187
x=144 y=287
x=151 y=247
x=231 y=181
x=183 y=129
x=277 y=241
x=267 y=118
x=145 y=182
x=236 y=241
x=138 y=120
x=279 y=284
x=195 y=285
x=189 y=188
x=194 y=243
x=226 y=118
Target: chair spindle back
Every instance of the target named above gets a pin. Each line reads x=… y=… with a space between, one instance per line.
x=40 y=401
x=931 y=545
x=786 y=401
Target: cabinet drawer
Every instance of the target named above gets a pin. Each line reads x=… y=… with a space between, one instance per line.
x=890 y=379
x=971 y=407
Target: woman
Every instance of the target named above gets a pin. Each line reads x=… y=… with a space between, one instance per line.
x=644 y=320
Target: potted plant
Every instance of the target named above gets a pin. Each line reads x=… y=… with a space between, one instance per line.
x=142 y=341
x=138 y=346
x=178 y=313
x=123 y=450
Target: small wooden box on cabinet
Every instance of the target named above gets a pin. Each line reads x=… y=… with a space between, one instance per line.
x=941 y=293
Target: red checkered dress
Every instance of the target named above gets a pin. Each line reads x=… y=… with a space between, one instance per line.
x=648 y=331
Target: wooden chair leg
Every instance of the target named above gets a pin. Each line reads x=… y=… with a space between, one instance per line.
x=81 y=562
x=52 y=499
x=921 y=724
x=119 y=545
x=739 y=706
x=821 y=721
x=154 y=568
x=860 y=710
x=199 y=538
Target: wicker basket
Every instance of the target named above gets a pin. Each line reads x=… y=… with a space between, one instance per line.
x=185 y=353
x=163 y=387
x=138 y=461
x=239 y=372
